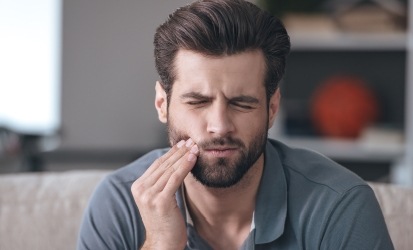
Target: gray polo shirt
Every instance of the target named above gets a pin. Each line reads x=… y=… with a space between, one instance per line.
x=305 y=201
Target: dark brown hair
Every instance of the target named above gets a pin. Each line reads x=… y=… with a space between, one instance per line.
x=219 y=28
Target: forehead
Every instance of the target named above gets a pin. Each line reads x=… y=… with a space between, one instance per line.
x=243 y=72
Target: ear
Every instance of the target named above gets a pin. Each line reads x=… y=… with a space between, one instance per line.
x=273 y=107
x=161 y=103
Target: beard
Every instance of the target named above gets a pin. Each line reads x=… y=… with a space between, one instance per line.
x=223 y=172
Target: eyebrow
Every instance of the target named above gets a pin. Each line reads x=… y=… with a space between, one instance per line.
x=241 y=98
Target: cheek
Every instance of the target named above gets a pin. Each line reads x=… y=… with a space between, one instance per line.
x=252 y=127
x=186 y=122
x=251 y=121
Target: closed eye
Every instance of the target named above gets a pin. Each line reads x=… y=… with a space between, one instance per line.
x=244 y=102
x=241 y=105
x=195 y=99
x=198 y=102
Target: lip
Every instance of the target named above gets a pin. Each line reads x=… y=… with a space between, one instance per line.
x=220 y=151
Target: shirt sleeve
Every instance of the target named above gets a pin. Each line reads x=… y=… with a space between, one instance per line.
x=356 y=222
x=111 y=220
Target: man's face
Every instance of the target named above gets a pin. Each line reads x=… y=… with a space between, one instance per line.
x=220 y=103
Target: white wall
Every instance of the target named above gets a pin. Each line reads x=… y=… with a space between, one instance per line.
x=108 y=74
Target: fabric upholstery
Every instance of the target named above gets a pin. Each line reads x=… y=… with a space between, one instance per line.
x=43 y=210
x=397 y=206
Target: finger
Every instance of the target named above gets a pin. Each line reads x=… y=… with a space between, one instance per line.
x=163 y=175
x=181 y=169
x=155 y=165
x=163 y=165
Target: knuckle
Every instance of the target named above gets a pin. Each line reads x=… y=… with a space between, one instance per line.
x=147 y=200
x=137 y=187
x=170 y=170
x=162 y=163
x=157 y=204
x=159 y=161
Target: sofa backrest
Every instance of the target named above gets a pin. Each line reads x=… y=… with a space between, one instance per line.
x=42 y=211
x=396 y=203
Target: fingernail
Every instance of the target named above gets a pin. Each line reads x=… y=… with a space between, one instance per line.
x=189 y=142
x=191 y=157
x=194 y=149
x=180 y=144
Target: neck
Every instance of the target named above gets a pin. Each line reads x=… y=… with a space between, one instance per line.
x=218 y=212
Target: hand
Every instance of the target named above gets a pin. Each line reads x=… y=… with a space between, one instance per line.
x=154 y=194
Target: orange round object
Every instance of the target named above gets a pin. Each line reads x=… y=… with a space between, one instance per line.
x=343 y=106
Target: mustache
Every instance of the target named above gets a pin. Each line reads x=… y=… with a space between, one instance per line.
x=175 y=136
x=223 y=141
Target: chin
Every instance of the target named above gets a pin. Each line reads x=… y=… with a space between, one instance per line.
x=221 y=172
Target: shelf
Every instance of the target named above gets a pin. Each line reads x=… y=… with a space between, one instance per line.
x=350 y=150
x=347 y=41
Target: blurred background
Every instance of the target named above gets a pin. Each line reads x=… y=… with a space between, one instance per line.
x=77 y=83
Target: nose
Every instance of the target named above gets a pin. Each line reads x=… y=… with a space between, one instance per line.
x=220 y=122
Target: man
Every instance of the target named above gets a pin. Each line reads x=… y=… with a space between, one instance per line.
x=223 y=184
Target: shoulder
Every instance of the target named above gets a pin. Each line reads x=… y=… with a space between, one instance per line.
x=328 y=203
x=316 y=185
x=116 y=185
x=314 y=169
x=135 y=169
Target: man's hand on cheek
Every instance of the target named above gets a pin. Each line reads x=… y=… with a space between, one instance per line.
x=154 y=194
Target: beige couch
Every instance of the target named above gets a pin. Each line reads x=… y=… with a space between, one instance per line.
x=43 y=210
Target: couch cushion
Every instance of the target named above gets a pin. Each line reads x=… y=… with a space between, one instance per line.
x=44 y=210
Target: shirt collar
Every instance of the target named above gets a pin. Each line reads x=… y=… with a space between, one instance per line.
x=271 y=205
x=188 y=217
